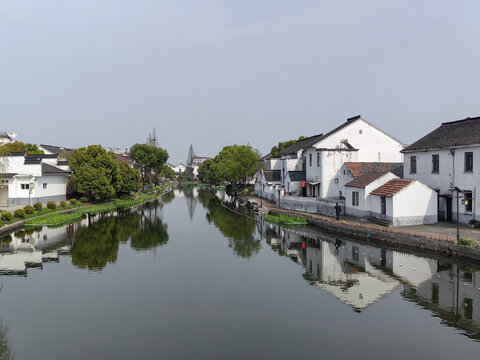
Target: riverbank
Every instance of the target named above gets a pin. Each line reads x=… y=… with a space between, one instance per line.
x=82 y=209
x=433 y=239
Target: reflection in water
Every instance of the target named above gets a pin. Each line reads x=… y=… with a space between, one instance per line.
x=360 y=275
x=5 y=351
x=97 y=245
x=152 y=232
x=238 y=229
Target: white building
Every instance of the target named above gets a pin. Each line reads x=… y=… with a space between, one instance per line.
x=446 y=158
x=178 y=169
x=32 y=178
x=268 y=184
x=356 y=140
x=6 y=138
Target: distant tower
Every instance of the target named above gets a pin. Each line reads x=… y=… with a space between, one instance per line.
x=191 y=156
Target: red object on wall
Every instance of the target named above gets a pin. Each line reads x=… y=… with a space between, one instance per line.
x=303 y=183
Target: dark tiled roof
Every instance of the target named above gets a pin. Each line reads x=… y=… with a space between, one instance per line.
x=392 y=187
x=299 y=145
x=53 y=149
x=297 y=175
x=362 y=181
x=32 y=161
x=62 y=162
x=359 y=169
x=266 y=157
x=41 y=156
x=272 y=175
x=7 y=175
x=449 y=134
x=17 y=154
x=48 y=169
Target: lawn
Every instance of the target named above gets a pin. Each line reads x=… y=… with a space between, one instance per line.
x=286 y=219
x=54 y=219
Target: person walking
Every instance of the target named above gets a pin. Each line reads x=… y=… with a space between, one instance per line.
x=338 y=210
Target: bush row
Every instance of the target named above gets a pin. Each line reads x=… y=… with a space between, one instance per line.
x=28 y=209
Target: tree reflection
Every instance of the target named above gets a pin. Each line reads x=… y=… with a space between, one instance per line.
x=5 y=351
x=238 y=229
x=97 y=245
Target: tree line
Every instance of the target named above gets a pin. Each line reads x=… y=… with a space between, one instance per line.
x=98 y=173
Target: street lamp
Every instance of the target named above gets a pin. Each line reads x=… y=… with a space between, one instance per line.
x=458 y=190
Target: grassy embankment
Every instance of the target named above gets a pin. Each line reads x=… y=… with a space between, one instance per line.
x=55 y=218
x=286 y=219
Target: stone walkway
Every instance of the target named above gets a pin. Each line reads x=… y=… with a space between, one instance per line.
x=440 y=231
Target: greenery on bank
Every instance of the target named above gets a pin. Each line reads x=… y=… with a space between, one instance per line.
x=235 y=164
x=467 y=242
x=286 y=219
x=54 y=219
x=7 y=217
x=97 y=172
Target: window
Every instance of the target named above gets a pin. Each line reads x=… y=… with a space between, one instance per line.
x=468 y=201
x=355 y=198
x=25 y=186
x=310 y=158
x=413 y=164
x=383 y=201
x=318 y=159
x=435 y=163
x=468 y=161
x=44 y=185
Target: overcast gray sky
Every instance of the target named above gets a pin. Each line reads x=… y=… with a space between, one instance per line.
x=214 y=73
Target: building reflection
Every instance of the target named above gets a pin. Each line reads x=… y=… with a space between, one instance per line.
x=360 y=275
x=93 y=243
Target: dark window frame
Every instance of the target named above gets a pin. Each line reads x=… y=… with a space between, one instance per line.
x=383 y=205
x=468 y=161
x=435 y=164
x=413 y=164
x=310 y=159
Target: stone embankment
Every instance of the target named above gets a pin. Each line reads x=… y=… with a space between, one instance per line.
x=437 y=243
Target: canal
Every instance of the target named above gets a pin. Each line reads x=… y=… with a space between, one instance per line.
x=186 y=278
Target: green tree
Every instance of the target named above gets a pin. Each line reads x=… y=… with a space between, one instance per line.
x=18 y=146
x=236 y=163
x=96 y=171
x=167 y=172
x=282 y=145
x=149 y=160
x=131 y=181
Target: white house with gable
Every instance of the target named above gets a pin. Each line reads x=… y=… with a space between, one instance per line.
x=356 y=140
x=27 y=179
x=449 y=158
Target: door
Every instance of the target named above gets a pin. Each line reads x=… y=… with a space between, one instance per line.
x=3 y=195
x=449 y=209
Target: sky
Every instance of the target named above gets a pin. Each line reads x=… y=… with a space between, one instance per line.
x=215 y=73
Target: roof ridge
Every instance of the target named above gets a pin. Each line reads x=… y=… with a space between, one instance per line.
x=460 y=121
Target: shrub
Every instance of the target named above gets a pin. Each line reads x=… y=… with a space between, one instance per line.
x=28 y=209
x=51 y=205
x=7 y=216
x=73 y=201
x=19 y=213
x=467 y=242
x=38 y=206
x=63 y=203
x=245 y=192
x=83 y=199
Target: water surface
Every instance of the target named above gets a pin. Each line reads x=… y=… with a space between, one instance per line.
x=186 y=278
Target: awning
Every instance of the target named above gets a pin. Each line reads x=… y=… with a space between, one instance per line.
x=313 y=183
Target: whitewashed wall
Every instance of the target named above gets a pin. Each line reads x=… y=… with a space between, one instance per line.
x=451 y=173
